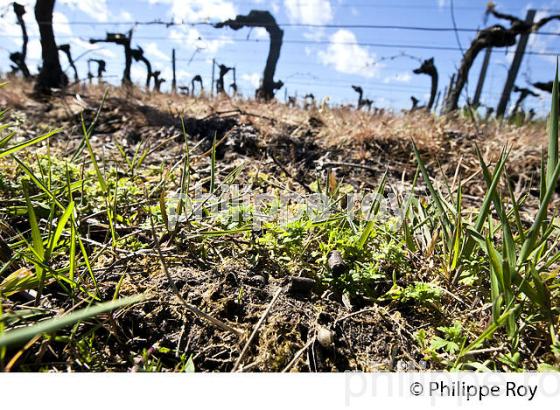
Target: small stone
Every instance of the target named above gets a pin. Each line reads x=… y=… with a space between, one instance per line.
x=347 y=301
x=257 y=280
x=325 y=337
x=402 y=366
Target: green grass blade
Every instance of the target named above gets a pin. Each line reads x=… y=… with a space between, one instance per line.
x=4 y=141
x=91 y=127
x=38 y=183
x=60 y=227
x=485 y=208
x=488 y=332
x=37 y=241
x=508 y=242
x=22 y=335
x=98 y=172
x=28 y=143
x=35 y=230
x=552 y=158
x=435 y=194
x=374 y=210
x=532 y=236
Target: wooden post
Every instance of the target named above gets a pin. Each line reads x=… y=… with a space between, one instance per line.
x=482 y=77
x=436 y=103
x=174 y=81
x=451 y=85
x=446 y=91
x=213 y=73
x=515 y=65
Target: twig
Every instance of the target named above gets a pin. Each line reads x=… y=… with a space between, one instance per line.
x=332 y=164
x=359 y=312
x=454 y=296
x=487 y=350
x=256 y=329
x=298 y=354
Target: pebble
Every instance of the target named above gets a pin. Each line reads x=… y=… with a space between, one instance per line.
x=325 y=337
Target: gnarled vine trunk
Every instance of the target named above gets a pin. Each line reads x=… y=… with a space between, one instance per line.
x=523 y=94
x=138 y=55
x=261 y=18
x=65 y=48
x=51 y=74
x=123 y=40
x=18 y=58
x=428 y=67
x=496 y=36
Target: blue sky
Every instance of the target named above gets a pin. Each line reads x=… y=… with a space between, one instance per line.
x=316 y=62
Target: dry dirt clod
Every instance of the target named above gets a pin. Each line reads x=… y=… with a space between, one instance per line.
x=336 y=264
x=325 y=337
x=301 y=286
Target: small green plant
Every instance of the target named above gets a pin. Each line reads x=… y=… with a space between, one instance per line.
x=451 y=339
x=443 y=347
x=421 y=293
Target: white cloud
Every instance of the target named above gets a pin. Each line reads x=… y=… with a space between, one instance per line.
x=254 y=79
x=125 y=15
x=309 y=11
x=442 y=3
x=346 y=56
x=198 y=10
x=96 y=9
x=182 y=75
x=138 y=73
x=153 y=51
x=61 y=27
x=33 y=52
x=261 y=33
x=398 y=78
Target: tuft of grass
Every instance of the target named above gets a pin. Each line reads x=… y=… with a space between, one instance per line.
x=518 y=261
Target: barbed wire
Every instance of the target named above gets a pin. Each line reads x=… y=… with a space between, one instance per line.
x=174 y=23
x=392 y=5
x=316 y=42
